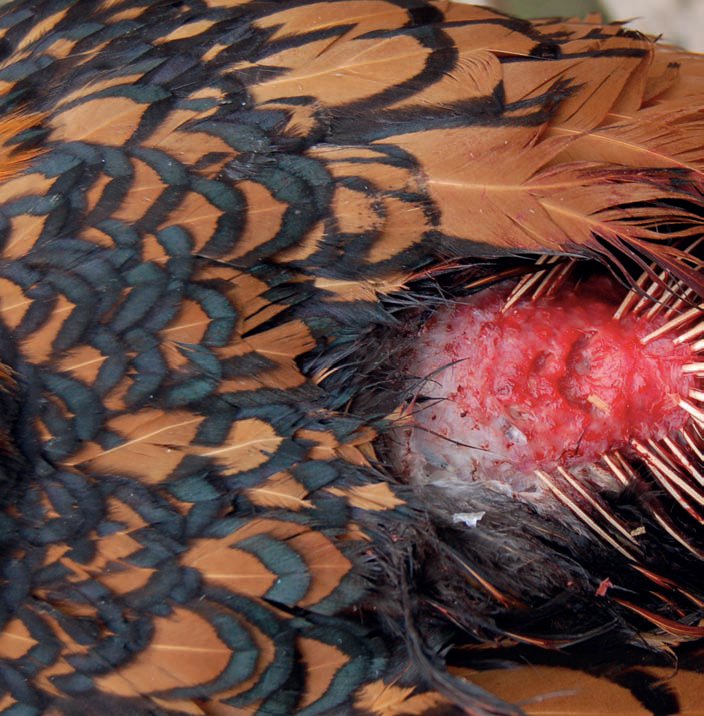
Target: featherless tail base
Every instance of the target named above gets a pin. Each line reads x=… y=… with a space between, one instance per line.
x=545 y=383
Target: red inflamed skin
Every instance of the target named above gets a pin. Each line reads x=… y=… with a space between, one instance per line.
x=510 y=390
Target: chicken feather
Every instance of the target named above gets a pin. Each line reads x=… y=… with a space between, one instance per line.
x=215 y=215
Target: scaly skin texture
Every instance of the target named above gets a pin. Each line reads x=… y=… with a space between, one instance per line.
x=215 y=218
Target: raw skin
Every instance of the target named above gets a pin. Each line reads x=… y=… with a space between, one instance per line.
x=557 y=381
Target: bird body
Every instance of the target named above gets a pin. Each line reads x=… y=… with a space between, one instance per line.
x=218 y=220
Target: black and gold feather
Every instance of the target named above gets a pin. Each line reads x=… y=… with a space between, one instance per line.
x=213 y=215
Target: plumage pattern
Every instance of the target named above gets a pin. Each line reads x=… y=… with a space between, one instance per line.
x=214 y=217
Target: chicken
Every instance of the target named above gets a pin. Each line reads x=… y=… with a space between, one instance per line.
x=223 y=223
